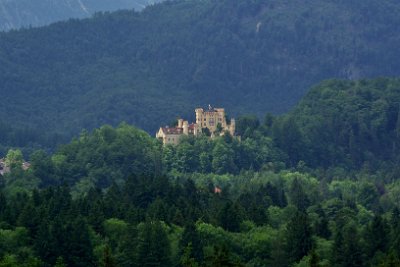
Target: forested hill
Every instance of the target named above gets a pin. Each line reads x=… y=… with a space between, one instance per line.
x=318 y=186
x=351 y=124
x=339 y=125
x=147 y=68
x=15 y=14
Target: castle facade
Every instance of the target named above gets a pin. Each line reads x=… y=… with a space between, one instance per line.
x=211 y=120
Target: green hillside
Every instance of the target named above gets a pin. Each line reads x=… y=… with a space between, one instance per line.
x=318 y=186
x=350 y=124
x=148 y=68
x=339 y=127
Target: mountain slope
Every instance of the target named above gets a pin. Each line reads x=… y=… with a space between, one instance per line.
x=15 y=14
x=147 y=68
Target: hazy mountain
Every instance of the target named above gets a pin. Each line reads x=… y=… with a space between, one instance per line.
x=147 y=68
x=24 y=13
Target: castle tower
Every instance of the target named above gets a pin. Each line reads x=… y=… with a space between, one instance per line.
x=220 y=117
x=199 y=117
x=232 y=127
x=180 y=123
x=185 y=127
x=211 y=118
x=196 y=129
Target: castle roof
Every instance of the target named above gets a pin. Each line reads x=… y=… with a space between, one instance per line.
x=172 y=130
x=177 y=130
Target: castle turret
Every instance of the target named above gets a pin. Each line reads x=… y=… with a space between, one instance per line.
x=195 y=129
x=180 y=123
x=220 y=115
x=185 y=127
x=232 y=127
x=199 y=116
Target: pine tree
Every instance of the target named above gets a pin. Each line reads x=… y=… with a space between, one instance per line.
x=191 y=236
x=29 y=218
x=376 y=236
x=321 y=226
x=45 y=242
x=229 y=217
x=298 y=237
x=347 y=250
x=153 y=247
x=78 y=248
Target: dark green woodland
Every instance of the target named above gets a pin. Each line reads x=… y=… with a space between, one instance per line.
x=147 y=68
x=313 y=180
x=317 y=186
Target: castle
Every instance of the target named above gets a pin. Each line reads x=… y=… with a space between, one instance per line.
x=212 y=120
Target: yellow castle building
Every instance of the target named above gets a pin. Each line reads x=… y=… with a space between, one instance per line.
x=212 y=119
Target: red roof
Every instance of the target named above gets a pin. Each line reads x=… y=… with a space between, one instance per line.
x=174 y=130
x=177 y=130
x=217 y=190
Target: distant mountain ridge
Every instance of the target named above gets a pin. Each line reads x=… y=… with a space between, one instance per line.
x=15 y=14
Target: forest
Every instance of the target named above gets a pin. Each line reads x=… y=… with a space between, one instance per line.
x=146 y=68
x=317 y=186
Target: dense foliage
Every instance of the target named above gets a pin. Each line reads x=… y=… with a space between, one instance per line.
x=350 y=123
x=291 y=192
x=148 y=68
x=259 y=219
